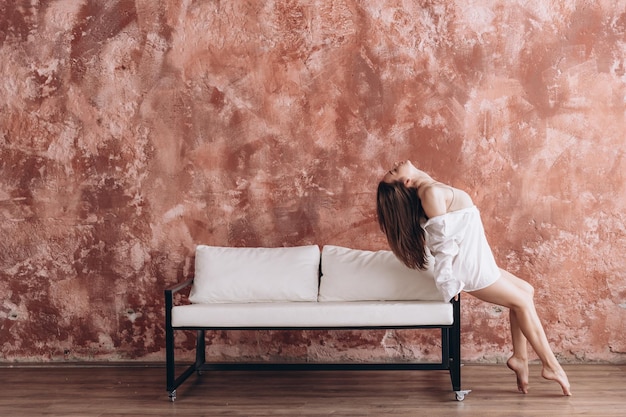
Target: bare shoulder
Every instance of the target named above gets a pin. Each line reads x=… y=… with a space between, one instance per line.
x=461 y=200
x=433 y=198
x=429 y=191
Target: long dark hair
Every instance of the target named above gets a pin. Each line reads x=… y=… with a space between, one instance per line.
x=399 y=215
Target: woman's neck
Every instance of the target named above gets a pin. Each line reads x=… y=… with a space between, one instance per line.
x=422 y=180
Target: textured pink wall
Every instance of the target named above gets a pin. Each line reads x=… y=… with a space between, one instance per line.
x=132 y=130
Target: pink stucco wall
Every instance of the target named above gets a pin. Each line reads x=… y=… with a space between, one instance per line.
x=130 y=131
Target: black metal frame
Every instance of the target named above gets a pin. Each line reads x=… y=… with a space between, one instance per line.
x=450 y=350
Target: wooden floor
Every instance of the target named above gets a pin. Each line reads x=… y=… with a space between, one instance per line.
x=599 y=390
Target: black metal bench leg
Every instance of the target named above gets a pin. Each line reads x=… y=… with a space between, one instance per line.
x=170 y=364
x=455 y=360
x=169 y=348
x=172 y=381
x=200 y=351
x=455 y=352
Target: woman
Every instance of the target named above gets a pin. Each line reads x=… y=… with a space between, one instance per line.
x=423 y=217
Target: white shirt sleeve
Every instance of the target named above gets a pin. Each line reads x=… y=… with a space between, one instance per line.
x=444 y=248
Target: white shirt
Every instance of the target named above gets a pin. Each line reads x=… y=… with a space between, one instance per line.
x=462 y=257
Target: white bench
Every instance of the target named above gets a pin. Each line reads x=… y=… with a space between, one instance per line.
x=300 y=288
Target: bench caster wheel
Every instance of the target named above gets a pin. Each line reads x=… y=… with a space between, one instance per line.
x=460 y=395
x=172 y=395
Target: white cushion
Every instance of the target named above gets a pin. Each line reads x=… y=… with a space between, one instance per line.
x=352 y=275
x=227 y=275
x=314 y=314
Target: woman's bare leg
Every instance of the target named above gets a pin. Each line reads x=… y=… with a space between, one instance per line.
x=506 y=293
x=518 y=362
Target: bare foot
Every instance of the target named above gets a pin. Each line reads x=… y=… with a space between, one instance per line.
x=558 y=376
x=520 y=367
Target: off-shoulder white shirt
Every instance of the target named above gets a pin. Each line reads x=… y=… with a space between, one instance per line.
x=463 y=260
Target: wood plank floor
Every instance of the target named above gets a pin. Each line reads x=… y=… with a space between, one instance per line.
x=599 y=390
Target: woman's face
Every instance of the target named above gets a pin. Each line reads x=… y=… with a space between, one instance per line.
x=399 y=172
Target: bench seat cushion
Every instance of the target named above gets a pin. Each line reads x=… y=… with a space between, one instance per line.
x=313 y=314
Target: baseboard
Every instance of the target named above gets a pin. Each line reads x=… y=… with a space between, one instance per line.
x=83 y=364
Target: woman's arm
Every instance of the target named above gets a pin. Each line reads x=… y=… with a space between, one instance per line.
x=444 y=249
